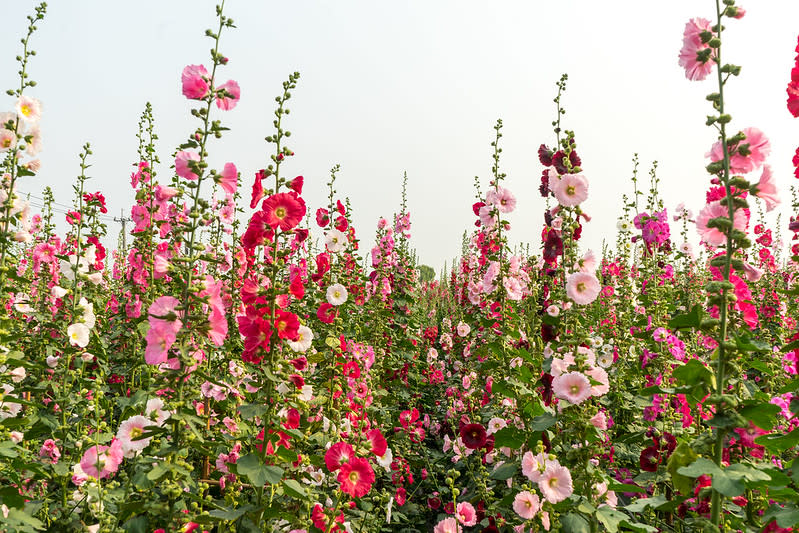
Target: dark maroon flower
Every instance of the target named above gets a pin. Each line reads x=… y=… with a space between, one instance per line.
x=557 y=160
x=545 y=155
x=473 y=436
x=650 y=457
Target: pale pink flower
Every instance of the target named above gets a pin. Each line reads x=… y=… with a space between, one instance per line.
x=336 y=294
x=195 y=82
x=556 y=483
x=463 y=329
x=102 y=461
x=767 y=189
x=8 y=140
x=131 y=429
x=582 y=287
x=526 y=504
x=466 y=514
x=491 y=274
x=599 y=420
x=487 y=218
x=713 y=236
x=448 y=525
x=573 y=387
x=182 y=159
x=599 y=374
x=502 y=198
x=588 y=262
x=513 y=287
x=553 y=310
x=751 y=272
x=229 y=178
x=227 y=103
x=28 y=109
x=495 y=424
x=534 y=465
x=571 y=190
x=759 y=149
x=695 y=70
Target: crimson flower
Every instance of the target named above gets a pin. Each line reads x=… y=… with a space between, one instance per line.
x=326 y=313
x=337 y=455
x=356 y=477
x=284 y=210
x=473 y=436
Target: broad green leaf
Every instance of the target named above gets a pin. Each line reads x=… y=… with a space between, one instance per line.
x=510 y=437
x=727 y=484
x=700 y=467
x=610 y=518
x=682 y=456
x=293 y=488
x=542 y=422
x=574 y=523
x=692 y=319
x=505 y=471
x=640 y=505
x=779 y=443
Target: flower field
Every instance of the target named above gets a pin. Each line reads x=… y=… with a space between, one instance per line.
x=239 y=363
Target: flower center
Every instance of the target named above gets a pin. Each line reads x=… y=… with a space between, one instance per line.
x=135 y=432
x=581 y=287
x=570 y=190
x=354 y=476
x=280 y=212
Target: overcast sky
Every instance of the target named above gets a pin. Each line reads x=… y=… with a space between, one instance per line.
x=414 y=86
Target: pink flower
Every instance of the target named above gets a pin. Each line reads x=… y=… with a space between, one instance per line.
x=466 y=514
x=599 y=420
x=751 y=272
x=758 y=149
x=598 y=374
x=338 y=454
x=229 y=178
x=230 y=100
x=102 y=461
x=573 y=387
x=502 y=198
x=195 y=84
x=696 y=69
x=130 y=430
x=448 y=525
x=571 y=189
x=767 y=189
x=356 y=477
x=556 y=484
x=582 y=287
x=50 y=452
x=526 y=504
x=160 y=338
x=182 y=168
x=713 y=236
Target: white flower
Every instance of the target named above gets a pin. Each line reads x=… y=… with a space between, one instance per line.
x=386 y=459
x=306 y=393
x=335 y=241
x=28 y=109
x=8 y=409
x=304 y=338
x=336 y=294
x=52 y=361
x=58 y=292
x=16 y=437
x=605 y=359
x=78 y=334
x=129 y=431
x=88 y=313
x=623 y=226
x=95 y=277
x=155 y=410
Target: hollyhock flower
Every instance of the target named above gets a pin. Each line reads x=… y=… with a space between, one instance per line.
x=793 y=92
x=338 y=454
x=487 y=218
x=194 y=79
x=131 y=429
x=326 y=313
x=78 y=334
x=284 y=210
x=336 y=294
x=758 y=149
x=573 y=387
x=495 y=424
x=696 y=69
x=28 y=109
x=287 y=325
x=229 y=178
x=463 y=329
x=102 y=461
x=599 y=420
x=582 y=287
x=448 y=525
x=160 y=338
x=502 y=199
x=50 y=452
x=650 y=458
x=473 y=436
x=8 y=140
x=526 y=504
x=556 y=483
x=767 y=189
x=335 y=241
x=304 y=339
x=570 y=190
x=714 y=236
x=228 y=101
x=182 y=168
x=466 y=514
x=356 y=477
x=751 y=272
x=598 y=374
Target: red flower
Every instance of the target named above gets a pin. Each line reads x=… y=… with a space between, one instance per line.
x=340 y=207
x=286 y=325
x=341 y=223
x=296 y=184
x=284 y=210
x=650 y=458
x=473 y=436
x=326 y=313
x=356 y=477
x=378 y=442
x=322 y=217
x=257 y=188
x=338 y=454
x=400 y=496
x=292 y=419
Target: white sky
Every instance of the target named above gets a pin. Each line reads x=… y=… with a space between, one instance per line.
x=413 y=85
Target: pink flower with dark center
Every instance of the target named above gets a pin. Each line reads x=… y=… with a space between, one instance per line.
x=713 y=236
x=195 y=84
x=696 y=69
x=182 y=168
x=526 y=504
x=582 y=287
x=573 y=387
x=229 y=100
x=570 y=190
x=556 y=484
x=767 y=189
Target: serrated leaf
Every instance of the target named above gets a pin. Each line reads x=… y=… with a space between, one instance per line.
x=610 y=518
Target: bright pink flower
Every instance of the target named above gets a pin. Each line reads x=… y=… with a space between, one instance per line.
x=160 y=338
x=556 y=483
x=195 y=84
x=182 y=159
x=767 y=189
x=356 y=477
x=582 y=287
x=50 y=452
x=713 y=236
x=758 y=149
x=466 y=514
x=570 y=190
x=338 y=454
x=377 y=442
x=573 y=387
x=257 y=188
x=696 y=69
x=229 y=178
x=284 y=210
x=102 y=461
x=230 y=100
x=526 y=504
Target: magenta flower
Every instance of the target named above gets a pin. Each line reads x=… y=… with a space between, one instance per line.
x=182 y=159
x=229 y=100
x=195 y=82
x=570 y=190
x=696 y=69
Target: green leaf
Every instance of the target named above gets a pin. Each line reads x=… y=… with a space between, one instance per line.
x=639 y=506
x=694 y=373
x=791 y=346
x=230 y=514
x=779 y=443
x=610 y=518
x=505 y=471
x=700 y=467
x=542 y=422
x=693 y=319
x=791 y=386
x=510 y=437
x=294 y=489
x=727 y=484
x=574 y=523
x=249 y=410
x=682 y=456
x=786 y=517
x=745 y=344
x=748 y=473
x=136 y=525
x=258 y=473
x=624 y=487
